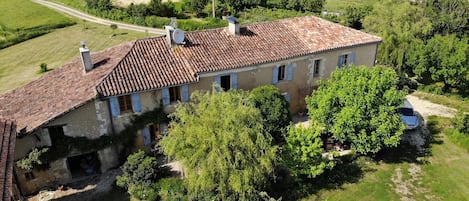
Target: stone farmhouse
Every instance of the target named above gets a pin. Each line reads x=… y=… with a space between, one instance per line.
x=97 y=94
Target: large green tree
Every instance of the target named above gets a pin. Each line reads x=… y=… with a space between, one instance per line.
x=442 y=59
x=219 y=139
x=357 y=105
x=355 y=14
x=273 y=108
x=450 y=16
x=306 y=5
x=401 y=25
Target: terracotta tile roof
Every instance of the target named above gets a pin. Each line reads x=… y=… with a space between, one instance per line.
x=59 y=91
x=8 y=137
x=152 y=64
x=148 y=64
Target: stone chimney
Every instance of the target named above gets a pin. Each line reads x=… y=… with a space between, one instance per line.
x=233 y=26
x=169 y=33
x=85 y=57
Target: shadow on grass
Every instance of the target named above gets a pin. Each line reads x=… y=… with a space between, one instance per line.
x=415 y=147
x=348 y=169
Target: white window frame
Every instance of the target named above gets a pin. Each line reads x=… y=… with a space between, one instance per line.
x=346 y=57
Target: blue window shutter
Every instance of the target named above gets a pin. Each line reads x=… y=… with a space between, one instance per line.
x=352 y=60
x=146 y=136
x=218 y=80
x=114 y=106
x=339 y=64
x=290 y=71
x=165 y=95
x=217 y=83
x=185 y=93
x=275 y=75
x=234 y=80
x=136 y=105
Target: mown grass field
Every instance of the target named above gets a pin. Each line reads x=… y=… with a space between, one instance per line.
x=19 y=63
x=21 y=20
x=23 y=14
x=441 y=174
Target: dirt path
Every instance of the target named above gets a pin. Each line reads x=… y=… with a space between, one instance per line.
x=81 y=190
x=427 y=108
x=407 y=188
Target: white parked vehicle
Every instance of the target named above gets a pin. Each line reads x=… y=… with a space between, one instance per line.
x=408 y=116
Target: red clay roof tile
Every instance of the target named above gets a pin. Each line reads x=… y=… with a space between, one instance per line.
x=59 y=91
x=148 y=64
x=7 y=149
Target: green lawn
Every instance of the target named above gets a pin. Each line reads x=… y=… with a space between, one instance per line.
x=19 y=63
x=440 y=175
x=22 y=14
x=340 y=5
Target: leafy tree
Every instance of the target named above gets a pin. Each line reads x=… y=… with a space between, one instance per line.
x=461 y=122
x=312 y=5
x=101 y=5
x=195 y=6
x=442 y=59
x=401 y=25
x=303 y=151
x=357 y=105
x=33 y=159
x=451 y=16
x=113 y=27
x=306 y=5
x=139 y=172
x=273 y=108
x=219 y=139
x=354 y=15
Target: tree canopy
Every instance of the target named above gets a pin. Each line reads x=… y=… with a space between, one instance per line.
x=442 y=59
x=220 y=140
x=273 y=108
x=401 y=25
x=357 y=105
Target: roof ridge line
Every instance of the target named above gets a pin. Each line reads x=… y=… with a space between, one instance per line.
x=114 y=68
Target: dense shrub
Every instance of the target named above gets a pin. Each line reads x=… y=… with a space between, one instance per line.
x=261 y=14
x=172 y=189
x=274 y=110
x=461 y=123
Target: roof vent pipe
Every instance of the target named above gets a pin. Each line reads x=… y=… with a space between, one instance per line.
x=85 y=57
x=233 y=26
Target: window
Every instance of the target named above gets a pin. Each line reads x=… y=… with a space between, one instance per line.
x=175 y=94
x=29 y=176
x=125 y=103
x=55 y=133
x=316 y=67
x=155 y=133
x=343 y=60
x=281 y=73
x=225 y=82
